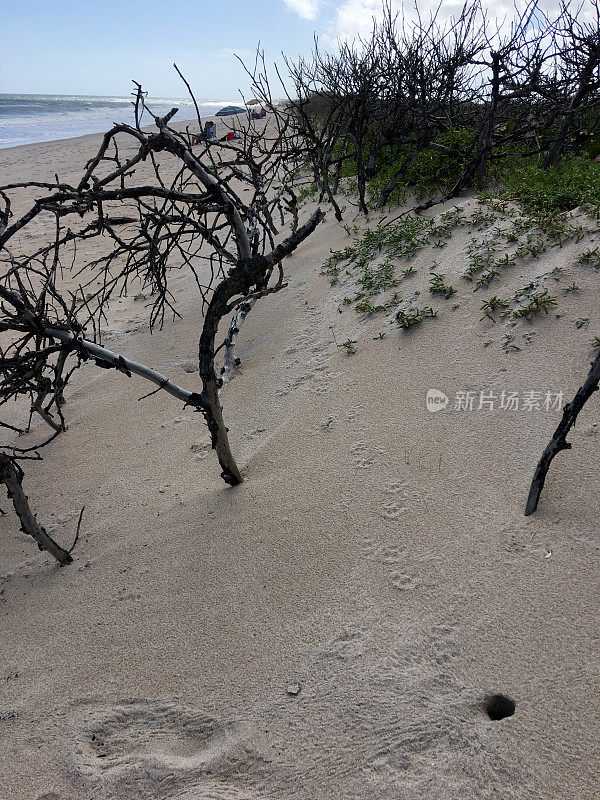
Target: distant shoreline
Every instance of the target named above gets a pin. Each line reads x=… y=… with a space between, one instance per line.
x=33 y=119
x=88 y=136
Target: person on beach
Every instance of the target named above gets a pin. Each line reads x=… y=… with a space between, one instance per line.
x=209 y=132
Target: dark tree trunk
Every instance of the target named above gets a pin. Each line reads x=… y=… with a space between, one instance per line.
x=558 y=441
x=12 y=477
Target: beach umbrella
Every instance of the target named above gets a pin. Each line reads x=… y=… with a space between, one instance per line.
x=253 y=103
x=229 y=111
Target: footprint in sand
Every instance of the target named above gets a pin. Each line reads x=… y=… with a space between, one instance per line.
x=347 y=646
x=362 y=463
x=148 y=749
x=342 y=505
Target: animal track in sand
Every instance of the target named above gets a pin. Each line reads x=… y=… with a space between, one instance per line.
x=189 y=367
x=355 y=411
x=396 y=487
x=362 y=463
x=404 y=580
x=395 y=560
x=148 y=749
x=342 y=505
x=310 y=352
x=200 y=450
x=254 y=434
x=392 y=510
x=364 y=455
x=347 y=646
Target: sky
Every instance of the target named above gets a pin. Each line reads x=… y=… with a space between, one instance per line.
x=97 y=47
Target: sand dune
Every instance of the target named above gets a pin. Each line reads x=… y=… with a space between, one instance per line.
x=377 y=555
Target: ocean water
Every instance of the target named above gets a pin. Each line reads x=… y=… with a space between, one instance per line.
x=28 y=118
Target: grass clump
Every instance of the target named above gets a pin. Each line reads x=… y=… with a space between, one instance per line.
x=539 y=302
x=408 y=319
x=591 y=258
x=437 y=285
x=489 y=307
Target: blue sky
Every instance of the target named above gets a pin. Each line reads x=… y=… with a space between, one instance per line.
x=84 y=47
x=97 y=46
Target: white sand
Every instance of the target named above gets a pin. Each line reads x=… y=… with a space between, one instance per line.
x=377 y=554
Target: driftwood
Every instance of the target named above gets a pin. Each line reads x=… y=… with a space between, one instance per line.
x=558 y=441
x=11 y=475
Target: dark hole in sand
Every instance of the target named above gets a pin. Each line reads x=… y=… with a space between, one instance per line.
x=498 y=706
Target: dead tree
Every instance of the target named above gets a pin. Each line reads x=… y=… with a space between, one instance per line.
x=559 y=440
x=525 y=90
x=217 y=209
x=577 y=76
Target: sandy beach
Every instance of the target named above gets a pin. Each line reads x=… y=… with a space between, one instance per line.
x=330 y=629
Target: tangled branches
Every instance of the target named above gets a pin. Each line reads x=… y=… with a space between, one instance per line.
x=150 y=202
x=465 y=94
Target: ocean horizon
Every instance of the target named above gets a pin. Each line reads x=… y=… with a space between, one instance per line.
x=31 y=118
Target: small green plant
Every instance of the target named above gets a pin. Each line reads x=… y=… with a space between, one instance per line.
x=379 y=278
x=506 y=261
x=482 y=218
x=448 y=221
x=437 y=285
x=591 y=258
x=140 y=296
x=490 y=306
x=539 y=302
x=582 y=322
x=595 y=341
x=349 y=346
x=408 y=271
x=379 y=336
x=364 y=307
x=533 y=246
x=487 y=277
x=307 y=191
x=394 y=300
x=408 y=319
x=480 y=255
x=526 y=290
x=572 y=288
x=508 y=343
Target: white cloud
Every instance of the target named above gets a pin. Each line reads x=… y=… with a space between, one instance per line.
x=354 y=18
x=307 y=9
